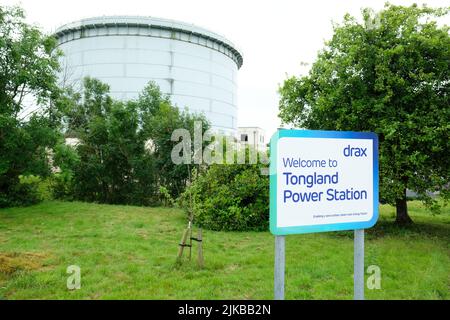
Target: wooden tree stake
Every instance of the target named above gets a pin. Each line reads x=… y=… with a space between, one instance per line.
x=200 y=260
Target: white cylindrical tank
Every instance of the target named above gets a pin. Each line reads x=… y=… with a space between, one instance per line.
x=196 y=67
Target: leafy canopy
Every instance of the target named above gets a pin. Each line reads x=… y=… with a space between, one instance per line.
x=123 y=154
x=28 y=65
x=388 y=74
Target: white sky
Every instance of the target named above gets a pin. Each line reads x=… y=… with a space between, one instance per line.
x=275 y=36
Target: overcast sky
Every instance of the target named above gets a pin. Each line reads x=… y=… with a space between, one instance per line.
x=274 y=36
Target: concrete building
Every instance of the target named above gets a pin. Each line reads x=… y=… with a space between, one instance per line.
x=253 y=136
x=196 y=67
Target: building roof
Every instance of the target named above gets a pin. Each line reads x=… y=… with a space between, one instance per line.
x=200 y=35
x=259 y=128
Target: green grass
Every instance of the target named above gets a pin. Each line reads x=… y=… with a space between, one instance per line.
x=129 y=252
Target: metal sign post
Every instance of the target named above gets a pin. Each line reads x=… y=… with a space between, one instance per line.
x=279 y=267
x=358 y=265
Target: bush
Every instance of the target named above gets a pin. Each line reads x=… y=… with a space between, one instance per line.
x=232 y=197
x=45 y=189
x=26 y=192
x=165 y=197
x=61 y=186
x=123 y=154
x=65 y=158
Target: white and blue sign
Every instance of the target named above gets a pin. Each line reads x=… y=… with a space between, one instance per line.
x=323 y=181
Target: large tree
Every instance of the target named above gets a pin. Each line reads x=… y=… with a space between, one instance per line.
x=124 y=150
x=160 y=118
x=389 y=74
x=28 y=65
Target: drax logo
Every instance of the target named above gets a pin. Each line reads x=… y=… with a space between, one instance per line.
x=355 y=152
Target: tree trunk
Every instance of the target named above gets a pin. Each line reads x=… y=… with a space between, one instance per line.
x=402 y=217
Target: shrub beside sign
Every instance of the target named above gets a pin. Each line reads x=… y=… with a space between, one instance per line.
x=323 y=181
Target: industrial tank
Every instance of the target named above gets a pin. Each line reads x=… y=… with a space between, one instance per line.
x=196 y=67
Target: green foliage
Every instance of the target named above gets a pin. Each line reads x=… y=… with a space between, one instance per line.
x=65 y=158
x=28 y=60
x=45 y=189
x=26 y=192
x=24 y=147
x=165 y=197
x=230 y=197
x=390 y=75
x=31 y=186
x=28 y=64
x=123 y=154
x=62 y=185
x=159 y=120
x=106 y=164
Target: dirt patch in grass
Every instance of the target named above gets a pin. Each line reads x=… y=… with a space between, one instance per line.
x=11 y=262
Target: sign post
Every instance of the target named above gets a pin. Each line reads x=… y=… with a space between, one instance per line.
x=322 y=181
x=358 y=265
x=279 y=267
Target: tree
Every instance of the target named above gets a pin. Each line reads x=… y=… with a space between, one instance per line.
x=159 y=119
x=388 y=74
x=28 y=65
x=113 y=162
x=109 y=164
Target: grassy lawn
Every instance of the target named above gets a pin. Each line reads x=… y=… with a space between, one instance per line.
x=129 y=253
